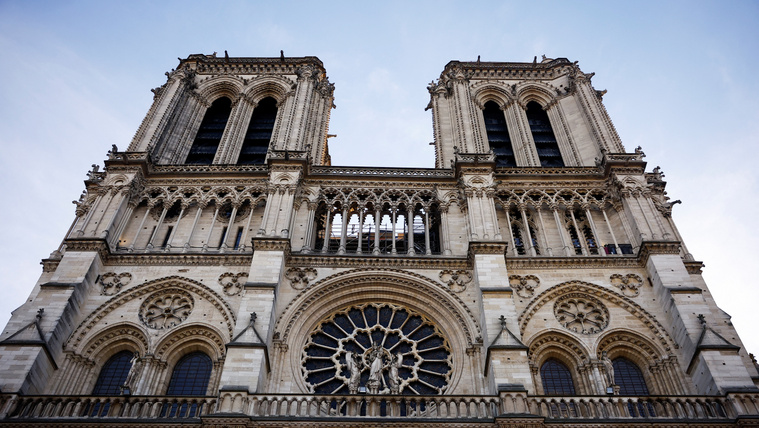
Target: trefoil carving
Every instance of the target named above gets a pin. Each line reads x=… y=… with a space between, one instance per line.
x=457 y=280
x=629 y=284
x=300 y=277
x=232 y=282
x=111 y=282
x=524 y=285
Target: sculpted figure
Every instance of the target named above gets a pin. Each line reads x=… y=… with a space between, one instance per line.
x=375 y=369
x=353 y=361
x=608 y=368
x=393 y=377
x=134 y=373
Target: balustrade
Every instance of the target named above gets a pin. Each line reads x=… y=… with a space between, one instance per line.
x=454 y=407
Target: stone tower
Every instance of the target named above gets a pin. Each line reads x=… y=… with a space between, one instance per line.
x=220 y=270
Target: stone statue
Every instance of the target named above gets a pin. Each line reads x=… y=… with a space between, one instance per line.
x=608 y=368
x=353 y=361
x=375 y=369
x=392 y=375
x=134 y=374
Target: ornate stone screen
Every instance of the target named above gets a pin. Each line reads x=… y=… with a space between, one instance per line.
x=377 y=348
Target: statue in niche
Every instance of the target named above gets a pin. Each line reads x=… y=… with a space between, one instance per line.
x=134 y=374
x=376 y=364
x=393 y=377
x=608 y=369
x=354 y=363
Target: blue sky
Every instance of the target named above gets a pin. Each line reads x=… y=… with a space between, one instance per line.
x=76 y=78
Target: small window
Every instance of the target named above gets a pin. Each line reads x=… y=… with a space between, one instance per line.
x=113 y=374
x=498 y=135
x=556 y=378
x=191 y=375
x=258 y=135
x=542 y=133
x=209 y=134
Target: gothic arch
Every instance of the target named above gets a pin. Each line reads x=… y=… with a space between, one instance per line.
x=190 y=338
x=186 y=284
x=126 y=336
x=220 y=86
x=344 y=289
x=597 y=291
x=559 y=346
x=261 y=87
x=499 y=93
x=535 y=91
x=624 y=343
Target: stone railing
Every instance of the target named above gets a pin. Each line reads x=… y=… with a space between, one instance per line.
x=626 y=407
x=381 y=172
x=86 y=407
x=441 y=407
x=370 y=406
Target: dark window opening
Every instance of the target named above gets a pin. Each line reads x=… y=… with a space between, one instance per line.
x=626 y=248
x=223 y=235
x=575 y=240
x=258 y=135
x=113 y=374
x=238 y=237
x=166 y=238
x=518 y=241
x=556 y=378
x=592 y=245
x=498 y=135
x=191 y=375
x=209 y=134
x=542 y=133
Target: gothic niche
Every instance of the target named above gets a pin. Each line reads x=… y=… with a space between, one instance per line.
x=166 y=309
x=377 y=349
x=581 y=314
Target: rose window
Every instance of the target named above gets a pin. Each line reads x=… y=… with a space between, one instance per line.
x=377 y=349
x=581 y=314
x=166 y=309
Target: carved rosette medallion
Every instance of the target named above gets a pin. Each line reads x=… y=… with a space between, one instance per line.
x=233 y=283
x=581 y=314
x=300 y=277
x=414 y=355
x=166 y=309
x=457 y=280
x=629 y=284
x=524 y=285
x=112 y=282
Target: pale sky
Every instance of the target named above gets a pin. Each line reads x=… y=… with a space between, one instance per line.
x=76 y=78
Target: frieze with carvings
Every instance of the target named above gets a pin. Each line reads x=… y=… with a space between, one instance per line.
x=232 y=283
x=580 y=313
x=629 y=284
x=111 y=282
x=300 y=277
x=166 y=309
x=457 y=280
x=524 y=285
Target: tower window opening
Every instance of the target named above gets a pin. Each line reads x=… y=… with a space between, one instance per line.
x=498 y=135
x=542 y=133
x=238 y=237
x=166 y=238
x=209 y=134
x=257 y=137
x=223 y=235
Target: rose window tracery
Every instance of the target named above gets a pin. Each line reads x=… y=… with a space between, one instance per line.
x=377 y=348
x=166 y=309
x=581 y=314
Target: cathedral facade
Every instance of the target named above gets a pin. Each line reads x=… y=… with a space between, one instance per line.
x=221 y=272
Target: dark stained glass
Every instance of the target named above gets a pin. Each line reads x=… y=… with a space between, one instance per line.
x=556 y=378
x=191 y=375
x=629 y=377
x=113 y=374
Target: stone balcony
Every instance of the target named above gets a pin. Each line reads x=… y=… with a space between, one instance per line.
x=733 y=408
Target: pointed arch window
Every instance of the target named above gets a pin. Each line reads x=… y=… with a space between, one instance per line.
x=498 y=135
x=258 y=135
x=191 y=375
x=542 y=134
x=113 y=374
x=629 y=377
x=209 y=134
x=556 y=378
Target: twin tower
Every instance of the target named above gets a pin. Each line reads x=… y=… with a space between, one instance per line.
x=222 y=262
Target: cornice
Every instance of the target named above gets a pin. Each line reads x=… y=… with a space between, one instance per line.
x=97 y=245
x=380 y=261
x=211 y=64
x=649 y=248
x=271 y=244
x=487 y=247
x=584 y=262
x=203 y=259
x=332 y=172
x=694 y=268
